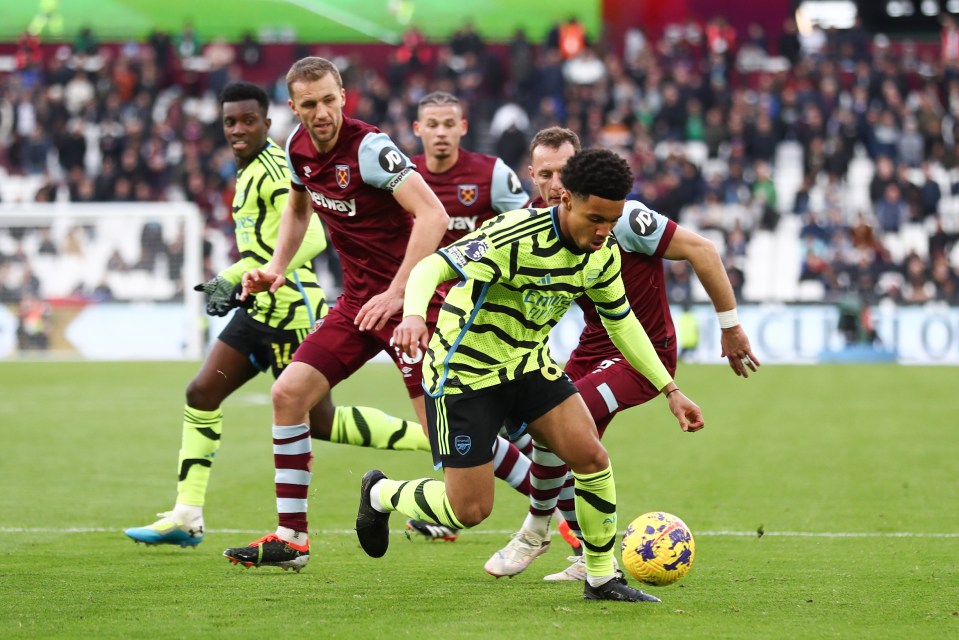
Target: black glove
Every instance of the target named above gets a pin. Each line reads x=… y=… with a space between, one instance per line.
x=222 y=296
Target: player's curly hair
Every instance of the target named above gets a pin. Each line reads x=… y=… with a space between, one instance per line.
x=598 y=172
x=312 y=68
x=239 y=91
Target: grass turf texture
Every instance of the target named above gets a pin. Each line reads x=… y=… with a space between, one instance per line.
x=816 y=450
x=311 y=20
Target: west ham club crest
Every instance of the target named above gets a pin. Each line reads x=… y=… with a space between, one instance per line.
x=467 y=193
x=343 y=175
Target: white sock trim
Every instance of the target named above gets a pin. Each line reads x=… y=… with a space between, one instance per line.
x=598 y=581
x=188 y=513
x=289 y=535
x=538 y=525
x=375 y=499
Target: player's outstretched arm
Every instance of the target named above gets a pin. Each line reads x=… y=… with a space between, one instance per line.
x=294 y=221
x=708 y=265
x=415 y=196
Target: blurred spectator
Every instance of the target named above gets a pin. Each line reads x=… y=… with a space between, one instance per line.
x=47 y=246
x=910 y=146
x=467 y=40
x=571 y=38
x=116 y=263
x=945 y=282
x=801 y=202
x=71 y=146
x=187 y=42
x=764 y=197
x=941 y=242
x=33 y=331
x=678 y=282
x=891 y=211
x=949 y=39
x=720 y=37
x=789 y=41
x=250 y=50
x=882 y=178
x=9 y=293
x=916 y=285
x=85 y=43
x=511 y=147
x=218 y=55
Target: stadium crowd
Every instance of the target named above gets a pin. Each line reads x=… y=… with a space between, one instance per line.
x=703 y=114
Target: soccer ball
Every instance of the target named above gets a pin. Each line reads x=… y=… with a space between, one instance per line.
x=658 y=548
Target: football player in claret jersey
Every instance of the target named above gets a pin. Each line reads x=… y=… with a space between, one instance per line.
x=367 y=194
x=488 y=359
x=606 y=381
x=473 y=188
x=263 y=335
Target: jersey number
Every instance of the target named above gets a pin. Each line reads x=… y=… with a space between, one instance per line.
x=282 y=354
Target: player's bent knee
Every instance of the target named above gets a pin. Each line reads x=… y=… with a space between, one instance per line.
x=472 y=514
x=201 y=397
x=592 y=461
x=290 y=395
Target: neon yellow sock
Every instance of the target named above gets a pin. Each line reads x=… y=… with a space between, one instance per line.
x=201 y=439
x=423 y=499
x=596 y=513
x=368 y=427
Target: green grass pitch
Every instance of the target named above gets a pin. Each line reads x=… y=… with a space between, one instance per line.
x=313 y=21
x=850 y=471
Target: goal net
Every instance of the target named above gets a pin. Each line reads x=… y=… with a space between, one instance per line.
x=105 y=281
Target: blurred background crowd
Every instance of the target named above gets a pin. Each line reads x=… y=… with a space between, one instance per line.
x=822 y=164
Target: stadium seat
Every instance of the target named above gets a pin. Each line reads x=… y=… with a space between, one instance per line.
x=811 y=291
x=914 y=237
x=758 y=273
x=697 y=152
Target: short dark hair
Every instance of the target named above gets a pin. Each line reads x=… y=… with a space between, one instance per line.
x=554 y=138
x=237 y=91
x=598 y=172
x=312 y=68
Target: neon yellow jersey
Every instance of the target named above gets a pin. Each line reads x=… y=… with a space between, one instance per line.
x=262 y=189
x=519 y=277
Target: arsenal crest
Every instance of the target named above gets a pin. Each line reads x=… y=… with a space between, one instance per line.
x=467 y=193
x=462 y=444
x=343 y=175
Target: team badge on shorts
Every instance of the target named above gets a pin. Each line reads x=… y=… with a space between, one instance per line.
x=466 y=193
x=462 y=444
x=343 y=175
x=316 y=325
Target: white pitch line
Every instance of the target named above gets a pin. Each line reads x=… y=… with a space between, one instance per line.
x=507 y=532
x=348 y=20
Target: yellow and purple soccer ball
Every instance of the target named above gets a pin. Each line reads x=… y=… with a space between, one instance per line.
x=658 y=548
